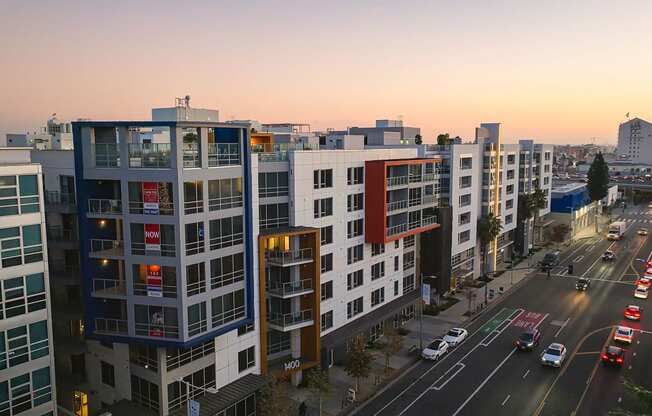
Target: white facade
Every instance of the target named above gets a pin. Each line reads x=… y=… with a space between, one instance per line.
x=635 y=141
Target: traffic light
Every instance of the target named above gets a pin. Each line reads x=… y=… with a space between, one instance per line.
x=570 y=269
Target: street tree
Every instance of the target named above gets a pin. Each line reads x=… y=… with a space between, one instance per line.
x=273 y=399
x=643 y=402
x=443 y=139
x=559 y=233
x=317 y=381
x=598 y=178
x=391 y=344
x=358 y=360
x=418 y=139
x=488 y=230
x=538 y=201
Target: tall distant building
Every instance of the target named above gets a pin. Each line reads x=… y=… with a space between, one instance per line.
x=635 y=141
x=27 y=371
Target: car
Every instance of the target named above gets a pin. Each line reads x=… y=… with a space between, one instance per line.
x=641 y=292
x=633 y=312
x=644 y=281
x=582 y=284
x=554 y=355
x=455 y=336
x=528 y=340
x=435 y=350
x=613 y=355
x=642 y=231
x=649 y=205
x=648 y=270
x=624 y=334
x=608 y=256
x=551 y=259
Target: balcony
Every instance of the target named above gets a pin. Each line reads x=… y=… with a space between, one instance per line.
x=428 y=199
x=109 y=288
x=59 y=233
x=156 y=330
x=223 y=154
x=397 y=205
x=106 y=248
x=191 y=156
x=107 y=155
x=397 y=229
x=63 y=272
x=397 y=181
x=140 y=249
x=291 y=321
x=102 y=207
x=428 y=177
x=290 y=289
x=111 y=326
x=289 y=258
x=405 y=227
x=164 y=208
x=149 y=155
x=168 y=291
x=62 y=202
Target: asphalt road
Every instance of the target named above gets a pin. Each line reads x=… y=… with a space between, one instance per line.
x=487 y=376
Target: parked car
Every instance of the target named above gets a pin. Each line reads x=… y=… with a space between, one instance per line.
x=642 y=231
x=455 y=336
x=435 y=350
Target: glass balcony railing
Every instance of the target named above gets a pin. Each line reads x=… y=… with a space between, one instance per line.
x=109 y=287
x=164 y=208
x=157 y=330
x=397 y=181
x=396 y=205
x=277 y=152
x=56 y=197
x=299 y=287
x=287 y=320
x=103 y=247
x=289 y=257
x=107 y=155
x=168 y=291
x=191 y=156
x=223 y=154
x=149 y=155
x=140 y=249
x=396 y=229
x=402 y=228
x=60 y=233
x=111 y=326
x=104 y=206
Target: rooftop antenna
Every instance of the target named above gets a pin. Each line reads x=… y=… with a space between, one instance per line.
x=186 y=100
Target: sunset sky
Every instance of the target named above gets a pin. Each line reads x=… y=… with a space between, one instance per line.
x=557 y=71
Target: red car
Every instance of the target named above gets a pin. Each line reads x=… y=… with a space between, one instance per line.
x=633 y=312
x=613 y=355
x=644 y=281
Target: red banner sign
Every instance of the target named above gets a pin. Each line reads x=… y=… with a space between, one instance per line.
x=150 y=198
x=153 y=237
x=154 y=282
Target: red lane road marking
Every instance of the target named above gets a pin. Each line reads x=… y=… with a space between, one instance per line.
x=528 y=320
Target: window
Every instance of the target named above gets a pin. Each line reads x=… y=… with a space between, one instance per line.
x=272 y=184
x=195 y=279
x=197 y=319
x=354 y=254
x=354 y=308
x=397 y=243
x=226 y=232
x=508 y=219
x=227 y=270
x=378 y=296
x=408 y=283
x=354 y=279
x=326 y=234
x=511 y=159
x=395 y=263
x=25 y=197
x=327 y=262
x=354 y=228
x=546 y=180
x=509 y=204
x=546 y=156
x=21 y=295
x=408 y=260
x=245 y=329
x=20 y=245
x=377 y=249
x=323 y=178
x=246 y=359
x=228 y=308
x=546 y=168
x=193 y=197
x=23 y=343
x=509 y=189
x=22 y=392
x=168 y=279
x=323 y=207
x=409 y=241
x=326 y=320
x=465 y=218
x=144 y=393
x=156 y=321
x=465 y=200
x=354 y=202
x=465 y=181
x=178 y=357
x=194 y=238
x=326 y=290
x=466 y=162
x=224 y=194
x=396 y=288
x=355 y=176
x=377 y=270
x=274 y=215
x=464 y=236
x=510 y=174
x=108 y=376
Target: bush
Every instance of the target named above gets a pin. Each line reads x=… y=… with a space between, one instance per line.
x=431 y=310
x=403 y=331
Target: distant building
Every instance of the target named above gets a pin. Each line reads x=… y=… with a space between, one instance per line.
x=635 y=141
x=570 y=204
x=54 y=135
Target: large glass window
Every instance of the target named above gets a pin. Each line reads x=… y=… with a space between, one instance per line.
x=272 y=184
x=194 y=385
x=227 y=270
x=224 y=194
x=151 y=198
x=166 y=246
x=323 y=178
x=246 y=359
x=195 y=278
x=21 y=295
x=20 y=245
x=144 y=393
x=323 y=207
x=194 y=238
x=274 y=215
x=156 y=321
x=193 y=197
x=197 y=319
x=21 y=199
x=226 y=232
x=228 y=308
x=25 y=391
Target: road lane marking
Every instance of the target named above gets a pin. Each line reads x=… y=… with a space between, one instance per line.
x=578 y=259
x=595 y=368
x=588 y=353
x=468 y=399
x=526 y=373
x=629 y=368
x=599 y=257
x=505 y=401
x=454 y=369
x=561 y=328
x=402 y=392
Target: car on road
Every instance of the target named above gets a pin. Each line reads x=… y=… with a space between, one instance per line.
x=624 y=334
x=644 y=281
x=435 y=350
x=455 y=336
x=642 y=231
x=528 y=340
x=641 y=292
x=582 y=284
x=551 y=259
x=613 y=355
x=649 y=205
x=608 y=256
x=633 y=312
x=554 y=355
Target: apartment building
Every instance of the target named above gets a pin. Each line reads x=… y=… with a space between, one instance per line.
x=167 y=259
x=338 y=235
x=635 y=141
x=27 y=371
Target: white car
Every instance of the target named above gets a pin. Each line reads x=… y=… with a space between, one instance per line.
x=642 y=231
x=455 y=336
x=641 y=292
x=435 y=350
x=554 y=355
x=624 y=334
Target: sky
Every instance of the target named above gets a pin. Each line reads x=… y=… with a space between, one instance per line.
x=555 y=71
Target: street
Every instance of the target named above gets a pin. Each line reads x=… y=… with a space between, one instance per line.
x=487 y=375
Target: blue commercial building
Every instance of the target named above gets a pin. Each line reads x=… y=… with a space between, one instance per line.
x=568 y=198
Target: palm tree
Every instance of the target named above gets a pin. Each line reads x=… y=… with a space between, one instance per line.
x=538 y=201
x=489 y=228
